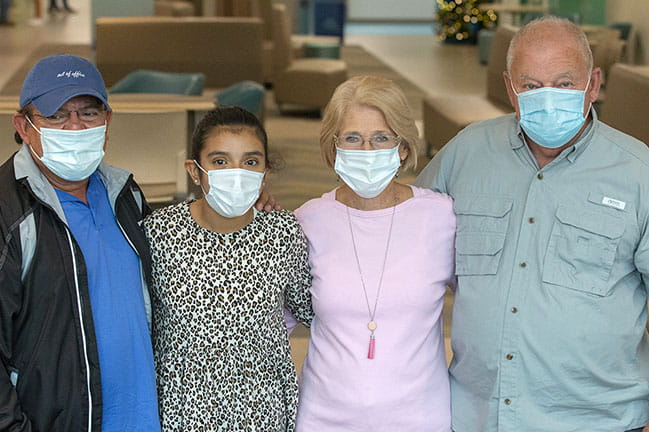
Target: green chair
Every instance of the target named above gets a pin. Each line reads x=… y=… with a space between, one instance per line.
x=485 y=39
x=624 y=28
x=248 y=95
x=322 y=50
x=148 y=81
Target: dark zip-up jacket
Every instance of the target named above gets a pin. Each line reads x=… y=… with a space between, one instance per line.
x=49 y=365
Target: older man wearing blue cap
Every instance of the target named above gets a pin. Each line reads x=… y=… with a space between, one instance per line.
x=75 y=347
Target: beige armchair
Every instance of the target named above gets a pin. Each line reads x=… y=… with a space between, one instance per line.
x=227 y=50
x=308 y=82
x=445 y=115
x=175 y=8
x=607 y=48
x=627 y=100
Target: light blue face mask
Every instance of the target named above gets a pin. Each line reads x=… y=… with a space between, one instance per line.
x=551 y=116
x=72 y=155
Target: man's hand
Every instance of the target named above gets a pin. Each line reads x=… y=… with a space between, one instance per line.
x=266 y=201
x=646 y=429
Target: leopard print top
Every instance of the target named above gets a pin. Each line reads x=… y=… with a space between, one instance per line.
x=220 y=344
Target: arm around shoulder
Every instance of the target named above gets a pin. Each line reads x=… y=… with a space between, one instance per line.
x=433 y=174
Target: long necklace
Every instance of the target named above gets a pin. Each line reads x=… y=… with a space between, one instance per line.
x=371 y=325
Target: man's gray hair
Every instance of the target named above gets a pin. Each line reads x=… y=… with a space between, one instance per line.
x=549 y=20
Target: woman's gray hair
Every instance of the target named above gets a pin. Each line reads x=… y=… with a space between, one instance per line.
x=561 y=23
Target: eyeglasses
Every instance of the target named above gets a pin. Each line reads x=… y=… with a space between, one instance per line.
x=89 y=115
x=377 y=141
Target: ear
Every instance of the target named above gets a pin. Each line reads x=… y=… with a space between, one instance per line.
x=193 y=171
x=592 y=92
x=21 y=125
x=109 y=117
x=513 y=99
x=404 y=151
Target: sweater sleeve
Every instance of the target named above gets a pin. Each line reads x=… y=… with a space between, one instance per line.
x=297 y=296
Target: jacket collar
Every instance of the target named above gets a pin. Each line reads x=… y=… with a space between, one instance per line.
x=114 y=180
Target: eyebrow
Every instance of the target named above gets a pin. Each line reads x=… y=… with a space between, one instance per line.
x=563 y=75
x=98 y=105
x=222 y=153
x=381 y=131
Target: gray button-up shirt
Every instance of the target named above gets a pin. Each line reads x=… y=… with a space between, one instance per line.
x=550 y=310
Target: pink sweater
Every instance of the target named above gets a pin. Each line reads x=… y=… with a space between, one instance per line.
x=405 y=387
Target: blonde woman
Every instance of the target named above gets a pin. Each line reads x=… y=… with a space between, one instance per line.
x=381 y=254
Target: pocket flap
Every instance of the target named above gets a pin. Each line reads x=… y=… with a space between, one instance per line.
x=479 y=243
x=596 y=223
x=482 y=206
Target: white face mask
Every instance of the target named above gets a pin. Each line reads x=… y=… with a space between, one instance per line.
x=72 y=155
x=367 y=172
x=233 y=191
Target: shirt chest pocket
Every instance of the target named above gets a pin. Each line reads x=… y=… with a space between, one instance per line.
x=582 y=250
x=482 y=224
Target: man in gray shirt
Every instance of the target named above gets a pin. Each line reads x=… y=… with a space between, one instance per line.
x=552 y=252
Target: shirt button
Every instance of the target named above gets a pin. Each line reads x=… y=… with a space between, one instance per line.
x=523 y=264
x=514 y=309
x=531 y=220
x=508 y=402
x=539 y=176
x=509 y=356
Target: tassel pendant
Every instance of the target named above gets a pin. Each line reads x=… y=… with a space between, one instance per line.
x=370 y=350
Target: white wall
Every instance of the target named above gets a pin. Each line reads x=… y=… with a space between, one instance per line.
x=636 y=12
x=382 y=10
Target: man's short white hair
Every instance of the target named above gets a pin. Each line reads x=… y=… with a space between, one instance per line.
x=561 y=23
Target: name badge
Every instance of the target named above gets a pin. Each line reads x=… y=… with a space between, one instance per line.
x=620 y=205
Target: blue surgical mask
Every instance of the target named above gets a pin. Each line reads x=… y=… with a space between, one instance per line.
x=72 y=155
x=550 y=116
x=233 y=191
x=367 y=172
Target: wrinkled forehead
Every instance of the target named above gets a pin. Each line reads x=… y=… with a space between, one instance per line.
x=77 y=103
x=551 y=45
x=83 y=101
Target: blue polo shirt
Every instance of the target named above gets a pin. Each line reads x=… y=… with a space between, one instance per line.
x=115 y=286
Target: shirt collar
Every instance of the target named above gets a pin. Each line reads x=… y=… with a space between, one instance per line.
x=26 y=169
x=517 y=138
x=113 y=178
x=94 y=185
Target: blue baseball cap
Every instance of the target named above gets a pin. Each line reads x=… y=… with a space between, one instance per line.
x=56 y=79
